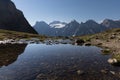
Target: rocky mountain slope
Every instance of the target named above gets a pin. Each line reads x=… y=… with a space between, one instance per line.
x=13 y=19
x=43 y=28
x=77 y=29
x=111 y=23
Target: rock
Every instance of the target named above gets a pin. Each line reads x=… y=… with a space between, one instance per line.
x=87 y=44
x=119 y=73
x=106 y=51
x=99 y=44
x=80 y=72
x=104 y=71
x=41 y=77
x=112 y=72
x=13 y=19
x=80 y=41
x=112 y=61
x=112 y=37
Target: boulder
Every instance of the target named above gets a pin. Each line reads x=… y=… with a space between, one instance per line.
x=112 y=61
x=80 y=41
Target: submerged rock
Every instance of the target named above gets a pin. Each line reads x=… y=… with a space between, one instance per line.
x=104 y=71
x=80 y=72
x=112 y=72
x=41 y=77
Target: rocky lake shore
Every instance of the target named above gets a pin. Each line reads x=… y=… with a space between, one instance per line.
x=66 y=67
x=109 y=41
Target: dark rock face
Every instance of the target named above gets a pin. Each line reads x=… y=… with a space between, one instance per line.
x=71 y=29
x=75 y=29
x=43 y=28
x=12 y=18
x=90 y=27
x=111 y=23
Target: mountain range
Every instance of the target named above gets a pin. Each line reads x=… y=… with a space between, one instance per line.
x=74 y=28
x=13 y=19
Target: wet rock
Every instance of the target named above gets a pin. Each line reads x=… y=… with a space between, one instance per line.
x=104 y=71
x=106 y=51
x=41 y=77
x=87 y=44
x=112 y=72
x=80 y=72
x=112 y=61
x=80 y=41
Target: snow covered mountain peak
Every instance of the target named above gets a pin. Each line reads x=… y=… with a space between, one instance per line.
x=57 y=24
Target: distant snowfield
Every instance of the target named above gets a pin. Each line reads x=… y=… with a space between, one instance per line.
x=59 y=25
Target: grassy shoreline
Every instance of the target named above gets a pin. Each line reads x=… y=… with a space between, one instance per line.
x=107 y=40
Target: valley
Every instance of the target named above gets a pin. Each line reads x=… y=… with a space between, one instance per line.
x=59 y=50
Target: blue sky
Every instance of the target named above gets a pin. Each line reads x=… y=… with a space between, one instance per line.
x=67 y=10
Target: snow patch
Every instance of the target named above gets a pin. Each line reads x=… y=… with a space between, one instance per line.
x=57 y=25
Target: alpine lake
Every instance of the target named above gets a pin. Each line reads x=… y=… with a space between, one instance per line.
x=55 y=62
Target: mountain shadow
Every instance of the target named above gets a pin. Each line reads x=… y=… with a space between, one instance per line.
x=10 y=52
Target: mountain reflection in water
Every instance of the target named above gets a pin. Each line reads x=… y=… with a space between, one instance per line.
x=10 y=52
x=60 y=62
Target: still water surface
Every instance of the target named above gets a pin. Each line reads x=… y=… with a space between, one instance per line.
x=61 y=60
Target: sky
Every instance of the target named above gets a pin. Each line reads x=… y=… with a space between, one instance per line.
x=67 y=10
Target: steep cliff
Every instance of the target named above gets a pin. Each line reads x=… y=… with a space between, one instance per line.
x=13 y=19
